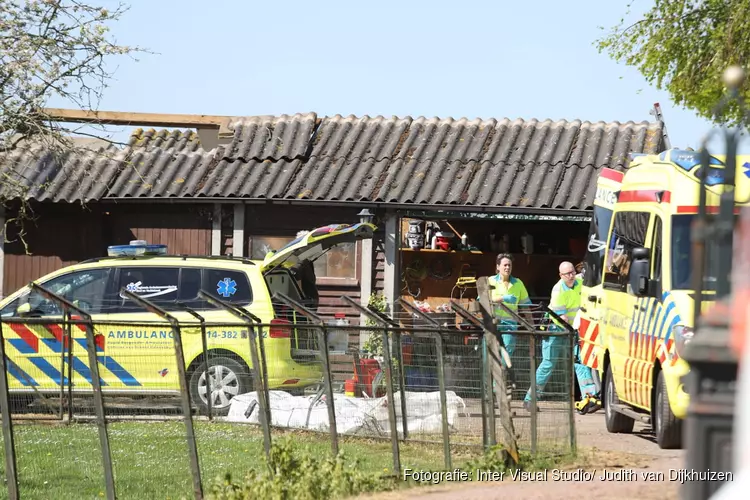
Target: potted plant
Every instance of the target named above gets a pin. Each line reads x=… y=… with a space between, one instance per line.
x=373 y=346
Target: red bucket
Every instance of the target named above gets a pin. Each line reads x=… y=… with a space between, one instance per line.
x=369 y=369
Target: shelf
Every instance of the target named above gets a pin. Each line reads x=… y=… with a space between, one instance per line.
x=477 y=252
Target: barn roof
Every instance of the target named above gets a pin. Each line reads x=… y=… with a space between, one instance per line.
x=424 y=162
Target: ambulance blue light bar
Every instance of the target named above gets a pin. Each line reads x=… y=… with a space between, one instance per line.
x=136 y=248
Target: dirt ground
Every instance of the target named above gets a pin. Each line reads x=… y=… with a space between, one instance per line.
x=633 y=455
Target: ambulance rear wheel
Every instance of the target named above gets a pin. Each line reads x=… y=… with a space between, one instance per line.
x=666 y=426
x=616 y=422
x=228 y=379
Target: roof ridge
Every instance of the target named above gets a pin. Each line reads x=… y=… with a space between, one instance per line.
x=498 y=119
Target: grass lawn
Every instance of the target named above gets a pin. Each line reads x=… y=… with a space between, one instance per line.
x=151 y=461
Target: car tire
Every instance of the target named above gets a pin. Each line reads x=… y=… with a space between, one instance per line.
x=236 y=381
x=666 y=427
x=616 y=422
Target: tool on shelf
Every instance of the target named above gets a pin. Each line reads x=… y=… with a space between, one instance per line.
x=467 y=280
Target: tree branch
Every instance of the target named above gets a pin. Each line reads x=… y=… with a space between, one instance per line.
x=49 y=48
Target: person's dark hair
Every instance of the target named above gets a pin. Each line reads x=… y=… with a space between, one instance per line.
x=502 y=256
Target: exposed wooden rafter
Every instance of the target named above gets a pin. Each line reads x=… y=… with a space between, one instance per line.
x=132 y=118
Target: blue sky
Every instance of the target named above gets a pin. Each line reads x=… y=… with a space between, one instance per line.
x=419 y=58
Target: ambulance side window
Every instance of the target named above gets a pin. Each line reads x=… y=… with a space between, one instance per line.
x=628 y=233
x=231 y=286
x=85 y=289
x=190 y=284
x=155 y=284
x=164 y=286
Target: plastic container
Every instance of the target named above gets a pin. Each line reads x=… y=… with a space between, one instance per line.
x=415 y=236
x=407 y=350
x=421 y=379
x=350 y=388
x=443 y=241
x=338 y=340
x=370 y=368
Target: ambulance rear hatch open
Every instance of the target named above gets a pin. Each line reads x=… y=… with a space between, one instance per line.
x=312 y=244
x=281 y=270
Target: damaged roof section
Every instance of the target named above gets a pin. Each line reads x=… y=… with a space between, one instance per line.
x=272 y=138
x=484 y=163
x=177 y=140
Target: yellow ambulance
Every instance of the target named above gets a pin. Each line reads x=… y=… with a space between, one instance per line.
x=637 y=301
x=135 y=348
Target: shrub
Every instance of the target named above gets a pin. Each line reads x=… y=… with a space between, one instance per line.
x=295 y=472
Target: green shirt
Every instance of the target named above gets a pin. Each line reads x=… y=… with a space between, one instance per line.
x=566 y=300
x=513 y=294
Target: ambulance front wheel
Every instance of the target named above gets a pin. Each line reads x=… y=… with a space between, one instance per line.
x=616 y=422
x=228 y=379
x=666 y=426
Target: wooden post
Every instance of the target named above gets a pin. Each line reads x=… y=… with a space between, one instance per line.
x=238 y=232
x=392 y=256
x=499 y=375
x=216 y=230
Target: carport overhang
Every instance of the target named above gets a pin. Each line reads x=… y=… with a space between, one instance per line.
x=467 y=209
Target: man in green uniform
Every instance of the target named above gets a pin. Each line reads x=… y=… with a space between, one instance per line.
x=565 y=301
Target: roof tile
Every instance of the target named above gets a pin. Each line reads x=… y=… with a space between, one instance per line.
x=180 y=140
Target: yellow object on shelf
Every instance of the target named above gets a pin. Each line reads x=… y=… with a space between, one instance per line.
x=467 y=276
x=467 y=279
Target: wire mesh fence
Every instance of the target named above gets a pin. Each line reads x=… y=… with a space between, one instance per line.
x=113 y=404
x=542 y=384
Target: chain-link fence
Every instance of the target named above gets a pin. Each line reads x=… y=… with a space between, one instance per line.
x=116 y=405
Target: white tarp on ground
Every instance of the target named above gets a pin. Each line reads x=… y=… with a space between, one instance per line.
x=353 y=415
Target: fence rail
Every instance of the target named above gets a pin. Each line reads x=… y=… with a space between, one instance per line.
x=446 y=377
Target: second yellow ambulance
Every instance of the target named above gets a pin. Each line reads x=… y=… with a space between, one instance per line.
x=637 y=306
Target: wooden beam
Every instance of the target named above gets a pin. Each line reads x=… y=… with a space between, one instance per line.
x=2 y=252
x=216 y=230
x=130 y=118
x=392 y=271
x=238 y=232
